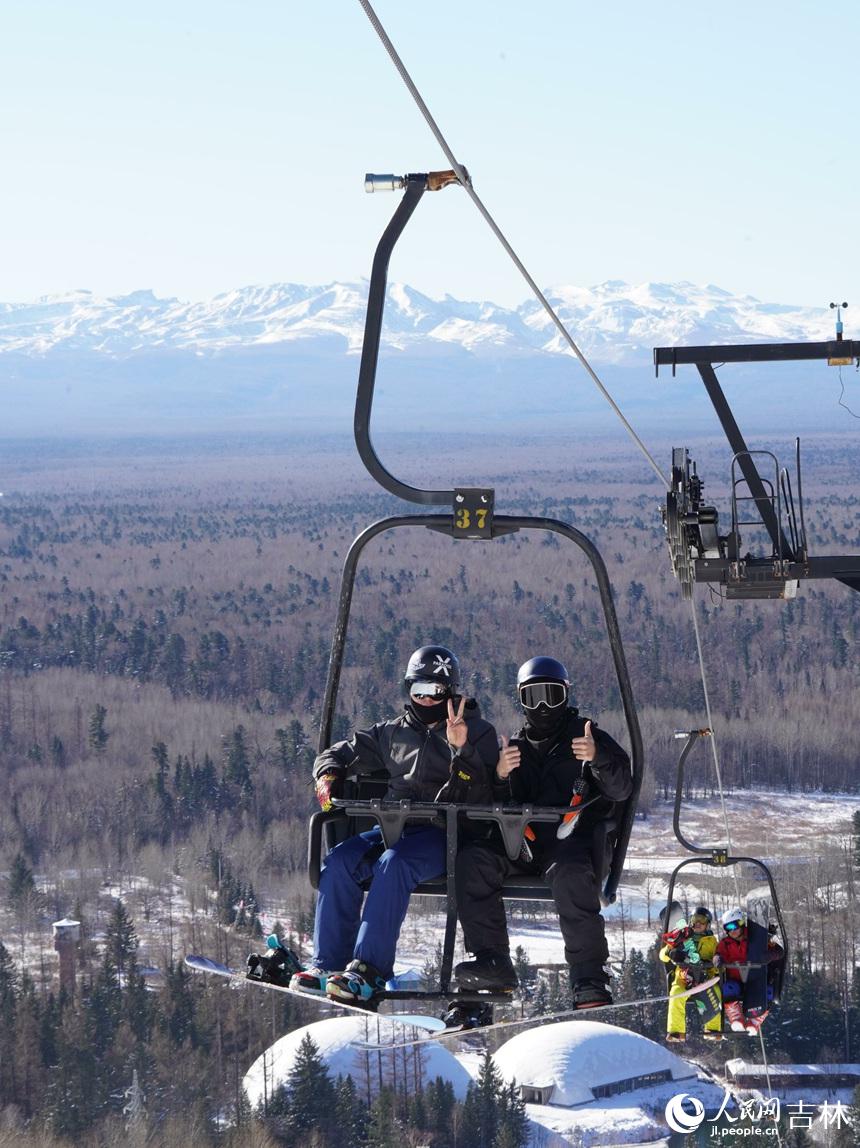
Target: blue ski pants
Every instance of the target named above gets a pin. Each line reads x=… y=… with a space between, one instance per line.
x=343 y=931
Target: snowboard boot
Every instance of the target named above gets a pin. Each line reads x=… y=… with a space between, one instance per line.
x=311 y=980
x=463 y=1015
x=276 y=966
x=735 y=1015
x=591 y=993
x=359 y=984
x=755 y=1021
x=490 y=971
x=675 y=1037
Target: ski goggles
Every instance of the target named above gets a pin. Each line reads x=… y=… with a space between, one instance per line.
x=699 y=919
x=428 y=690
x=733 y=926
x=550 y=694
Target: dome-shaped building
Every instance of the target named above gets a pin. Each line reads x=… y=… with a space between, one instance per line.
x=336 y=1041
x=577 y=1062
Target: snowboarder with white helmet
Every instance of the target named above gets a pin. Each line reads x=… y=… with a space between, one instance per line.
x=731 y=953
x=557 y=758
x=438 y=749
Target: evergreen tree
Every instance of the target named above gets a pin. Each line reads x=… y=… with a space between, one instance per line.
x=306 y=1099
x=178 y=1015
x=440 y=1104
x=540 y=1000
x=21 y=892
x=8 y=1009
x=384 y=1129
x=522 y=967
x=810 y=1013
x=159 y=756
x=469 y=1125
x=513 y=1122
x=350 y=1113
x=58 y=753
x=121 y=939
x=417 y=1110
x=97 y=734
x=641 y=978
x=77 y=1084
x=29 y=1076
x=489 y=1088
x=104 y=1006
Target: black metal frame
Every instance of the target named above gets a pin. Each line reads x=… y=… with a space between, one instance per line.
x=392 y=816
x=761 y=577
x=718 y=857
x=485 y=524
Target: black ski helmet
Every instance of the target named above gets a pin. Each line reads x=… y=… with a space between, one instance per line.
x=433 y=664
x=542 y=670
x=702 y=911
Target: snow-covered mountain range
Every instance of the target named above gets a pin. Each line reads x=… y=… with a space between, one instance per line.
x=614 y=322
x=285 y=357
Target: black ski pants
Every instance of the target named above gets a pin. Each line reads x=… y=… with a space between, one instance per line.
x=481 y=871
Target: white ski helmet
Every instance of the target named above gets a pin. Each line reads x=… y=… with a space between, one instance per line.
x=734 y=918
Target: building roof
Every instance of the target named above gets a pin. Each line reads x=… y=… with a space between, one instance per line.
x=334 y=1039
x=738 y=1067
x=574 y=1057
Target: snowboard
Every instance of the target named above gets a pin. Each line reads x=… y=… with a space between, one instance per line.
x=755 y=986
x=553 y=1017
x=432 y=1024
x=434 y=1027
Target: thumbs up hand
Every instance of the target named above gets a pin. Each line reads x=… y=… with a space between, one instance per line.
x=509 y=759
x=584 y=748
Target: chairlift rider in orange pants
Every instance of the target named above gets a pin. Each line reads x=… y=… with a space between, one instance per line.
x=556 y=755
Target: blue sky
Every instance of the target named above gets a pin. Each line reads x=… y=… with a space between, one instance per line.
x=196 y=147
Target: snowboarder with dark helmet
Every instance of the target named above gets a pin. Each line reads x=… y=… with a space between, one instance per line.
x=438 y=749
x=557 y=758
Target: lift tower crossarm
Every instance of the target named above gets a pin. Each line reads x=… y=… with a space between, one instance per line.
x=789 y=562
x=754 y=353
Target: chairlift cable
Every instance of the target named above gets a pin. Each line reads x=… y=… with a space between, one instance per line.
x=713 y=740
x=767 y=1078
x=466 y=182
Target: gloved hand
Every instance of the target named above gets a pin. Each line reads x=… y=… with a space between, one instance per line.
x=328 y=785
x=716 y=960
x=456 y=788
x=678 y=955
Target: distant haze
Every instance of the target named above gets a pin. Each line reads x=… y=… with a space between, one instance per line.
x=287 y=355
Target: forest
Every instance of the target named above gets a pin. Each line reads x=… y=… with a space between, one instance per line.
x=167 y=613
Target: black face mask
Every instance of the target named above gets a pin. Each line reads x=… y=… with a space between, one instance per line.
x=429 y=715
x=544 y=721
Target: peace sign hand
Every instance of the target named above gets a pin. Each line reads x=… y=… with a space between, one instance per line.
x=456 y=731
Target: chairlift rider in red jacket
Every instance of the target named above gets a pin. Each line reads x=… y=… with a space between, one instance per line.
x=439 y=749
x=555 y=754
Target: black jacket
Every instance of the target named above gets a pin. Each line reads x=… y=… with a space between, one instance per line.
x=548 y=771
x=419 y=760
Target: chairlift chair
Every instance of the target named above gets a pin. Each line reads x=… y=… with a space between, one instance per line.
x=470 y=515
